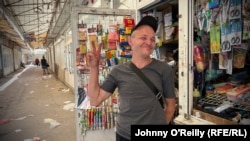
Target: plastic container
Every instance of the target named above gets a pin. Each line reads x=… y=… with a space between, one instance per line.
x=196 y=97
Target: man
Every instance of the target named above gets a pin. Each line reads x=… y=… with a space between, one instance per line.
x=44 y=65
x=137 y=103
x=37 y=62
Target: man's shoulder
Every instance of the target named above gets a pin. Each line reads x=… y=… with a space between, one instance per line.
x=159 y=63
x=120 y=67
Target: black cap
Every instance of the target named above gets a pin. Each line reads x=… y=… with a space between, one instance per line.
x=147 y=20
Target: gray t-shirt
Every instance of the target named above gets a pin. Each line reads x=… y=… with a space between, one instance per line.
x=137 y=103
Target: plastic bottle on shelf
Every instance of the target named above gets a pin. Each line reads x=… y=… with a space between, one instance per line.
x=196 y=97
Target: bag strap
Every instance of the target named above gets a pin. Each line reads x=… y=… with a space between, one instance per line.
x=158 y=94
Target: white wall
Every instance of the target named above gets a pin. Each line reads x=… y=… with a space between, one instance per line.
x=69 y=73
x=17 y=57
x=59 y=60
x=62 y=70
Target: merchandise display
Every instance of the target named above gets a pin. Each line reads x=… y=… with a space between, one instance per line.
x=224 y=86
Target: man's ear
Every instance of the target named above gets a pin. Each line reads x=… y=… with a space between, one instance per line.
x=130 y=40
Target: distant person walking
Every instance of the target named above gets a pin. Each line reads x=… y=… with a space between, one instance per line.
x=37 y=62
x=45 y=65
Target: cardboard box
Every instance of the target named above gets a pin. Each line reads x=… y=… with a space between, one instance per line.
x=170 y=16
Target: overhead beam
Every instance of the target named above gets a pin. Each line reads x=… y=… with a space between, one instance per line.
x=11 y=20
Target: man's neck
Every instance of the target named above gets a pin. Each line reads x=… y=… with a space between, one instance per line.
x=142 y=62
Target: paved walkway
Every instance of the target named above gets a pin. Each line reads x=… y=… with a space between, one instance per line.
x=33 y=106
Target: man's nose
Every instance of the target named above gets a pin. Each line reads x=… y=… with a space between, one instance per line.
x=149 y=41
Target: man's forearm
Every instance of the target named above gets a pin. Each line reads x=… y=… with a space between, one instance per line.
x=170 y=110
x=93 y=86
x=169 y=114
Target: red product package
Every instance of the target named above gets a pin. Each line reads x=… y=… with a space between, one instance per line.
x=129 y=23
x=237 y=91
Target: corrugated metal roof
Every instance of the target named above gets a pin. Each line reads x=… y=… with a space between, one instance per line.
x=32 y=18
